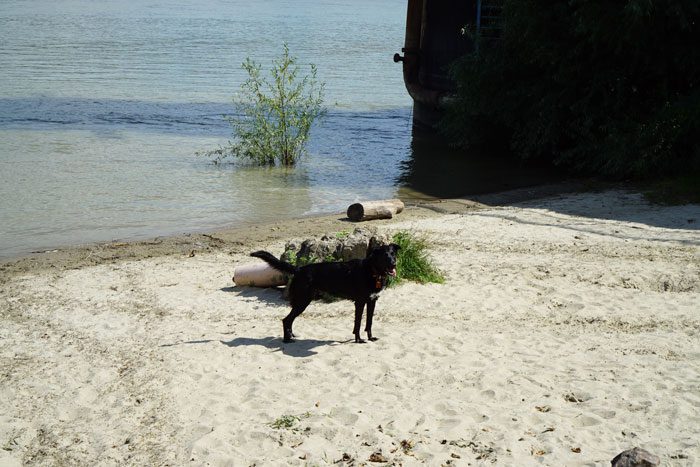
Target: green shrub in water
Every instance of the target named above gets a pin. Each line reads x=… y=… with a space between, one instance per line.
x=275 y=116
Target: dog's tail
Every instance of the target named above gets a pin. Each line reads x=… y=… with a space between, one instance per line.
x=275 y=263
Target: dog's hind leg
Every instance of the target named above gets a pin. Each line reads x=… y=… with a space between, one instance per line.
x=370 y=315
x=299 y=304
x=359 y=307
x=288 y=322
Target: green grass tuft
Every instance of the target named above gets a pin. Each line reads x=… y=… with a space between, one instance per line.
x=412 y=262
x=288 y=422
x=285 y=421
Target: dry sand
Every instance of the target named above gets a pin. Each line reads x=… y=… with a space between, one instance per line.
x=568 y=330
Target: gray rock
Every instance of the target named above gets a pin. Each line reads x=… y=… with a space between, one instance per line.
x=353 y=246
x=636 y=457
x=290 y=251
x=318 y=250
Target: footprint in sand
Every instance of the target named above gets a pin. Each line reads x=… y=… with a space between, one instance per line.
x=606 y=414
x=446 y=424
x=586 y=420
x=344 y=417
x=445 y=410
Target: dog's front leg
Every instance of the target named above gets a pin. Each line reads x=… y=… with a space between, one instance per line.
x=359 y=308
x=370 y=315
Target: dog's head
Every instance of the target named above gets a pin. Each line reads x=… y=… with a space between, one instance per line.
x=383 y=259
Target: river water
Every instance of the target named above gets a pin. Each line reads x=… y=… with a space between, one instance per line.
x=103 y=105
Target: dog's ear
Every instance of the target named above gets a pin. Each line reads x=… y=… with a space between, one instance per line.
x=395 y=246
x=371 y=248
x=373 y=245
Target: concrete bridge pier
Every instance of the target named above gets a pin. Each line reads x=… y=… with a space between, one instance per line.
x=434 y=39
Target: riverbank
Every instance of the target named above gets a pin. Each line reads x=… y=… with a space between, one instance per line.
x=566 y=332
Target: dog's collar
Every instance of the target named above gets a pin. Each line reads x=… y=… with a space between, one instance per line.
x=378 y=281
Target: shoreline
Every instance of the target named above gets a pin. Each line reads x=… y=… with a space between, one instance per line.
x=79 y=255
x=231 y=240
x=566 y=332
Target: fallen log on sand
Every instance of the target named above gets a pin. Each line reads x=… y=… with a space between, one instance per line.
x=368 y=210
x=258 y=275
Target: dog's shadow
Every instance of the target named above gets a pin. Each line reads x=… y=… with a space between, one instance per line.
x=300 y=348
x=270 y=295
x=274 y=296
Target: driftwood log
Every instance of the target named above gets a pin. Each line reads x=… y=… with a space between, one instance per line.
x=368 y=210
x=258 y=275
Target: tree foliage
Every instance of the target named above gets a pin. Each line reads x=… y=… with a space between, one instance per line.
x=597 y=86
x=275 y=114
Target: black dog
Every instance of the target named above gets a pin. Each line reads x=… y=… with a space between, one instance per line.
x=359 y=280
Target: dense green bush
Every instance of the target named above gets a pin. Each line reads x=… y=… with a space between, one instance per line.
x=275 y=115
x=598 y=87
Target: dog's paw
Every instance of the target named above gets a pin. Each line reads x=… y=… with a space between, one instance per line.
x=373 y=339
x=360 y=341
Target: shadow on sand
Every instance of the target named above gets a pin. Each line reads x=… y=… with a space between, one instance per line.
x=272 y=296
x=300 y=348
x=268 y=295
x=493 y=177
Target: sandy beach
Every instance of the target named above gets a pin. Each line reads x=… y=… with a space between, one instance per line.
x=567 y=330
